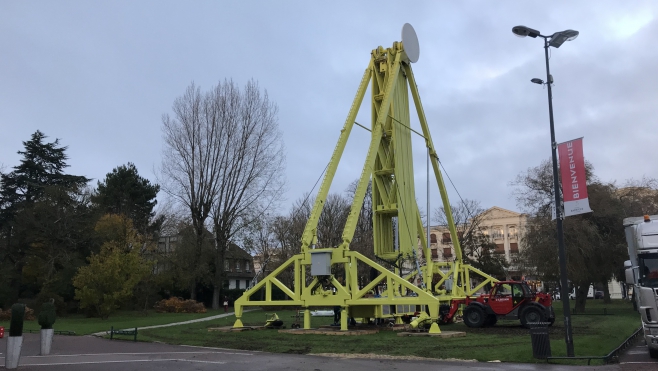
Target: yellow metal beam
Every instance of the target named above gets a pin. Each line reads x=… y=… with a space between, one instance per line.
x=309 y=236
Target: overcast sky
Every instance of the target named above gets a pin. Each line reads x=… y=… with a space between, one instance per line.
x=98 y=75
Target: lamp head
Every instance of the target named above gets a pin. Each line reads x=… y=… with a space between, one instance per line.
x=559 y=38
x=537 y=81
x=523 y=31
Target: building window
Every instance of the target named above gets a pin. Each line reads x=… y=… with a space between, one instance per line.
x=237 y=266
x=432 y=238
x=513 y=234
x=227 y=268
x=447 y=252
x=246 y=284
x=435 y=254
x=246 y=266
x=446 y=238
x=500 y=248
x=514 y=248
x=498 y=233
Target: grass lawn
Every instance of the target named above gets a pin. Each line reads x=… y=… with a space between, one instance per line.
x=120 y=320
x=594 y=335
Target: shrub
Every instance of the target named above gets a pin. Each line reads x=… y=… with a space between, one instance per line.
x=47 y=315
x=17 y=316
x=29 y=314
x=178 y=305
x=61 y=306
x=109 y=278
x=6 y=315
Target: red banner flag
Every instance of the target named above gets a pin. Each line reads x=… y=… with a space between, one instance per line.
x=572 y=170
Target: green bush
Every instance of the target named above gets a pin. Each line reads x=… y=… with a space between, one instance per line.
x=17 y=318
x=47 y=315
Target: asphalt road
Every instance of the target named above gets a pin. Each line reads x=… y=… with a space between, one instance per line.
x=91 y=353
x=637 y=358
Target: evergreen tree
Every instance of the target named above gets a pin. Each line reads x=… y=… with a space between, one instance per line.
x=25 y=191
x=42 y=165
x=125 y=192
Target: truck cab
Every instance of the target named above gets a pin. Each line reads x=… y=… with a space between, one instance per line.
x=642 y=273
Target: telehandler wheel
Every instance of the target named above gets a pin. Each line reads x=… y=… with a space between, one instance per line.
x=491 y=320
x=474 y=316
x=653 y=353
x=531 y=315
x=551 y=321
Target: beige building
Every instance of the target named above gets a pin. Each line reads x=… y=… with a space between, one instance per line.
x=502 y=226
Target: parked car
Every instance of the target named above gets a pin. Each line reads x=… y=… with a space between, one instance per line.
x=598 y=294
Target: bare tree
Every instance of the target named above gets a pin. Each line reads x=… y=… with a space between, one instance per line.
x=288 y=231
x=190 y=171
x=639 y=197
x=477 y=248
x=250 y=164
x=332 y=220
x=172 y=216
x=363 y=240
x=259 y=240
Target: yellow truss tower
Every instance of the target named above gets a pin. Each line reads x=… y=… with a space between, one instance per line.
x=389 y=164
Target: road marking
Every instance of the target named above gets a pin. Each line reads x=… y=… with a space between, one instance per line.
x=198 y=346
x=97 y=362
x=129 y=354
x=636 y=352
x=199 y=361
x=649 y=363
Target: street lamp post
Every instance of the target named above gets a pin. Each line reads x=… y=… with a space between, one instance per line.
x=555 y=40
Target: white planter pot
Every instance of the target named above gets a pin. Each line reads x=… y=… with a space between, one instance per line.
x=46 y=341
x=14 y=345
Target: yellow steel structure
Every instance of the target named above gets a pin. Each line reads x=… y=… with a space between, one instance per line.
x=389 y=164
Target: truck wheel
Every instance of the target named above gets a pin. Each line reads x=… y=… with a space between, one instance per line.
x=551 y=321
x=531 y=315
x=653 y=353
x=491 y=320
x=474 y=316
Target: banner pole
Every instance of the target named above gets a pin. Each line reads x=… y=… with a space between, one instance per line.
x=564 y=283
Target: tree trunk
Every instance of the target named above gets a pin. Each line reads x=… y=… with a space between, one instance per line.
x=221 y=245
x=17 y=282
x=581 y=298
x=193 y=290
x=196 y=260
x=606 y=293
x=215 y=297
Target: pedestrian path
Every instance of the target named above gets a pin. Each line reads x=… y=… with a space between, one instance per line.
x=103 y=333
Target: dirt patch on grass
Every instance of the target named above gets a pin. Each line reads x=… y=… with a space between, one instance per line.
x=384 y=356
x=298 y=350
x=511 y=329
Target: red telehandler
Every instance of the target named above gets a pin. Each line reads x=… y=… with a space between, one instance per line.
x=506 y=300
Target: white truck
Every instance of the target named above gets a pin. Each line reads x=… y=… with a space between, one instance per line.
x=642 y=273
